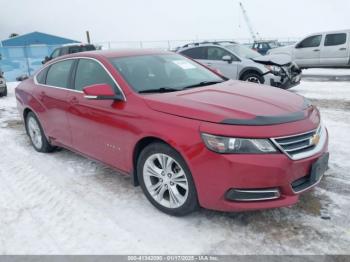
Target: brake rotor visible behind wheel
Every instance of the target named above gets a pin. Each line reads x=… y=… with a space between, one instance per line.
x=166 y=180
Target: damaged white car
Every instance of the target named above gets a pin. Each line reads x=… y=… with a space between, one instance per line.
x=239 y=62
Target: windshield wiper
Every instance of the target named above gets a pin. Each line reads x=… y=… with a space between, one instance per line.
x=203 y=83
x=159 y=90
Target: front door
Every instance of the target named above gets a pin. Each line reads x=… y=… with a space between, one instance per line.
x=307 y=52
x=97 y=126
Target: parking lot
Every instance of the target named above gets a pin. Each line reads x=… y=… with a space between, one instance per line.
x=64 y=203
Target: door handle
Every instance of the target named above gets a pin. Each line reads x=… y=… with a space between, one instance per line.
x=209 y=64
x=342 y=49
x=316 y=50
x=74 y=100
x=42 y=95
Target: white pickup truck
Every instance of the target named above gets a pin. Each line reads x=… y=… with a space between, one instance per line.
x=326 y=49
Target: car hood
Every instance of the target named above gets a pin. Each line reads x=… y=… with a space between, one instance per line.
x=233 y=102
x=277 y=60
x=285 y=49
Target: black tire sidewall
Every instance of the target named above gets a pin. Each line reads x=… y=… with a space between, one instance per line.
x=191 y=203
x=247 y=75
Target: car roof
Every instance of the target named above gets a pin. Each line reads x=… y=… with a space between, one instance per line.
x=114 y=53
x=207 y=43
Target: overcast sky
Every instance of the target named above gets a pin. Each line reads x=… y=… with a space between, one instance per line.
x=133 y=20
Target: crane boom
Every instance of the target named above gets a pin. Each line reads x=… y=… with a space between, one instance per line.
x=246 y=18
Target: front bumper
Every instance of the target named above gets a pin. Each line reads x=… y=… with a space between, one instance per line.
x=216 y=175
x=286 y=83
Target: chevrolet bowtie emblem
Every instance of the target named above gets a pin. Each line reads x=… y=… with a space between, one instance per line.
x=315 y=139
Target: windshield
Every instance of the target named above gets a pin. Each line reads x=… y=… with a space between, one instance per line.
x=273 y=44
x=243 y=51
x=165 y=72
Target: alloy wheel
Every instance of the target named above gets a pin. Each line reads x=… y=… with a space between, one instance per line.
x=35 y=132
x=165 y=180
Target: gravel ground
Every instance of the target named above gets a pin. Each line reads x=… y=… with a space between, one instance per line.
x=63 y=203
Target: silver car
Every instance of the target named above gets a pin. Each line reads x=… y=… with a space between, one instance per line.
x=3 y=87
x=239 y=62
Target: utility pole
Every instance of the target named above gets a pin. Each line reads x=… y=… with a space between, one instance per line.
x=88 y=37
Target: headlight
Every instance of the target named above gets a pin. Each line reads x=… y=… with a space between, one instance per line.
x=231 y=145
x=273 y=69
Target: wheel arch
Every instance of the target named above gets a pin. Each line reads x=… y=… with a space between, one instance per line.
x=139 y=146
x=249 y=70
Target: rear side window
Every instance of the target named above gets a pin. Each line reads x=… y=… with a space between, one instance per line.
x=89 y=72
x=312 y=41
x=217 y=53
x=335 y=39
x=77 y=49
x=55 y=53
x=195 y=53
x=58 y=74
x=41 y=77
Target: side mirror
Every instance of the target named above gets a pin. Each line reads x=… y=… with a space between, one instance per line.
x=101 y=92
x=22 y=78
x=46 y=59
x=227 y=58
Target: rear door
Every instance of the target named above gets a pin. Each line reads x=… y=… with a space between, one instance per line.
x=53 y=86
x=307 y=52
x=335 y=51
x=98 y=126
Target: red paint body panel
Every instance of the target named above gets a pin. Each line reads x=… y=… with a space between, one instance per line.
x=109 y=130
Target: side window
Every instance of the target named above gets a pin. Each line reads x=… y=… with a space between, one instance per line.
x=89 y=72
x=41 y=77
x=58 y=74
x=312 y=41
x=55 y=53
x=195 y=53
x=217 y=53
x=335 y=39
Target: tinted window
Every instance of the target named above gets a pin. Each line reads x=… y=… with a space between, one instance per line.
x=312 y=41
x=148 y=72
x=217 y=53
x=58 y=74
x=41 y=77
x=76 y=49
x=335 y=39
x=195 y=53
x=55 y=53
x=90 y=72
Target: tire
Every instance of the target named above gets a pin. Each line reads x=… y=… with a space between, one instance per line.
x=37 y=135
x=172 y=198
x=253 y=77
x=4 y=93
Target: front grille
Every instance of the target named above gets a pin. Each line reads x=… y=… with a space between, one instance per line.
x=297 y=145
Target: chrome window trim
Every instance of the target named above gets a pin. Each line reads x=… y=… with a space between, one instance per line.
x=318 y=148
x=73 y=90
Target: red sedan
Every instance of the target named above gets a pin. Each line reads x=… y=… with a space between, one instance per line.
x=187 y=135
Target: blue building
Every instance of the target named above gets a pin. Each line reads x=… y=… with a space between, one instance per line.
x=36 y=38
x=23 y=54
